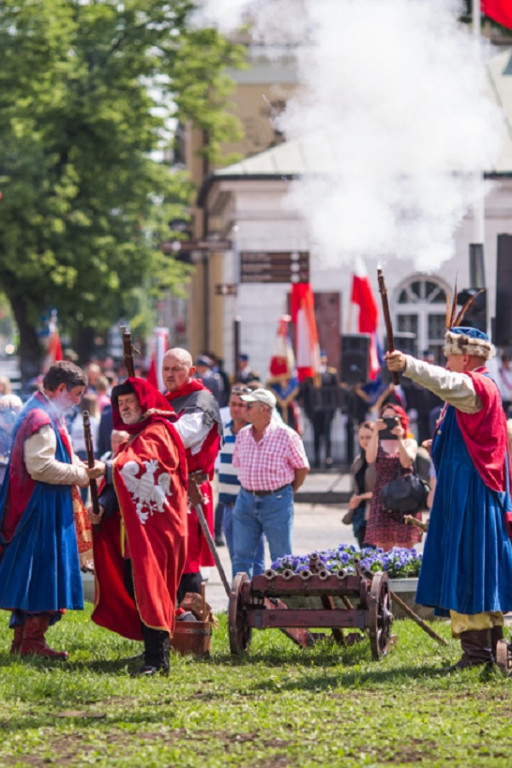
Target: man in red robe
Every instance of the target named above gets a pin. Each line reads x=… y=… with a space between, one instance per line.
x=200 y=427
x=141 y=535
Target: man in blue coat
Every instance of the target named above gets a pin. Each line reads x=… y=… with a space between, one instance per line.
x=39 y=566
x=467 y=562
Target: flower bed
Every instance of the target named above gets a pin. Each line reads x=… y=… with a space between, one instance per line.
x=399 y=562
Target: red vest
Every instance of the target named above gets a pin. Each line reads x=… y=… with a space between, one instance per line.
x=203 y=461
x=485 y=432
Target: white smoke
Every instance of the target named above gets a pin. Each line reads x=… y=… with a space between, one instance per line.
x=393 y=121
x=271 y=21
x=227 y=15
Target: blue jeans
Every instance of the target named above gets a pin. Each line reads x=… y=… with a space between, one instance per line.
x=254 y=515
x=258 y=566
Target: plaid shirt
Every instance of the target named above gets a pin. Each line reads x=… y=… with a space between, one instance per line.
x=270 y=463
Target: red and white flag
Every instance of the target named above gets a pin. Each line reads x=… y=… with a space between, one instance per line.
x=498 y=10
x=160 y=346
x=362 y=295
x=54 y=350
x=282 y=362
x=306 y=334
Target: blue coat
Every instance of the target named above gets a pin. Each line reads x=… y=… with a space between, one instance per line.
x=467 y=560
x=39 y=567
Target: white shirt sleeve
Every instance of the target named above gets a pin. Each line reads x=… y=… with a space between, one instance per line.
x=41 y=464
x=457 y=389
x=192 y=430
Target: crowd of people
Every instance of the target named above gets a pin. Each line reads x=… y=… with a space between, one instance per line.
x=146 y=535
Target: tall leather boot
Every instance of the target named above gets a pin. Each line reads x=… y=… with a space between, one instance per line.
x=476 y=648
x=16 y=641
x=496 y=635
x=33 y=641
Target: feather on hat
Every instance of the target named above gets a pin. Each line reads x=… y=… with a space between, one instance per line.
x=463 y=340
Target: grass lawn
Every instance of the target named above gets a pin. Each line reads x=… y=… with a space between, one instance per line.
x=278 y=706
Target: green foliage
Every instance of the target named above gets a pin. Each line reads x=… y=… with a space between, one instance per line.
x=276 y=707
x=87 y=93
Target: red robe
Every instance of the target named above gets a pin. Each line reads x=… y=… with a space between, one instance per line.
x=204 y=461
x=151 y=527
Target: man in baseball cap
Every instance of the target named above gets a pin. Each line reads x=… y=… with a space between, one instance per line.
x=261 y=395
x=272 y=464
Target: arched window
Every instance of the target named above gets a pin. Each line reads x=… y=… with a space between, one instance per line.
x=420 y=309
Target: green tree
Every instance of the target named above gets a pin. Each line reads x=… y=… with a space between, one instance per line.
x=87 y=92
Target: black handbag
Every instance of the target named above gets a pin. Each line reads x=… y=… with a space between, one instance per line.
x=406 y=494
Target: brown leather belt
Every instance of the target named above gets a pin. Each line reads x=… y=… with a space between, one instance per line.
x=267 y=493
x=199 y=477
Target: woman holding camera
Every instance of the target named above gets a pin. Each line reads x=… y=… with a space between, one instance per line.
x=392 y=449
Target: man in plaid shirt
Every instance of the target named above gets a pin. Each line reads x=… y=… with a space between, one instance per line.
x=272 y=465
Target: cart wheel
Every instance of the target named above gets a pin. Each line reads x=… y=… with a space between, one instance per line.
x=504 y=657
x=380 y=616
x=239 y=629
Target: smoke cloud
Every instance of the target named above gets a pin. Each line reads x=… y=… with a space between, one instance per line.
x=393 y=120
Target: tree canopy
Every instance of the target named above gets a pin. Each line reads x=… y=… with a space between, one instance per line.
x=87 y=92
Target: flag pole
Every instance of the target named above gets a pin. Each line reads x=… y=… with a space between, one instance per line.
x=478 y=202
x=476 y=20
x=349 y=317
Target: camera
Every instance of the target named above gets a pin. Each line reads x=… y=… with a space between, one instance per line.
x=391 y=422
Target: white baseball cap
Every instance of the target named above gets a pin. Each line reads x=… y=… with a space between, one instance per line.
x=261 y=395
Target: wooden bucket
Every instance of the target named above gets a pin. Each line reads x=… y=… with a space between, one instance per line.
x=192 y=637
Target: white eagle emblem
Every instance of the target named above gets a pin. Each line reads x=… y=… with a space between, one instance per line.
x=148 y=496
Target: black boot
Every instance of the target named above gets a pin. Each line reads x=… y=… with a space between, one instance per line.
x=156 y=652
x=476 y=649
x=189 y=582
x=496 y=635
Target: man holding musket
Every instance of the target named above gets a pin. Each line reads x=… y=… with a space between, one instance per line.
x=39 y=567
x=467 y=563
x=141 y=528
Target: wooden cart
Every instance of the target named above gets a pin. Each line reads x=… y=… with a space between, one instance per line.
x=345 y=601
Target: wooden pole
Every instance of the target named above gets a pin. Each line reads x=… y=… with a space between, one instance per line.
x=236 y=345
x=89 y=449
x=416 y=618
x=387 y=320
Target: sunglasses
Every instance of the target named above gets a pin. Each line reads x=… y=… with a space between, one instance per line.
x=240 y=391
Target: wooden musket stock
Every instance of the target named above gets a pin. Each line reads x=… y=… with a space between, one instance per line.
x=128 y=352
x=90 y=461
x=387 y=320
